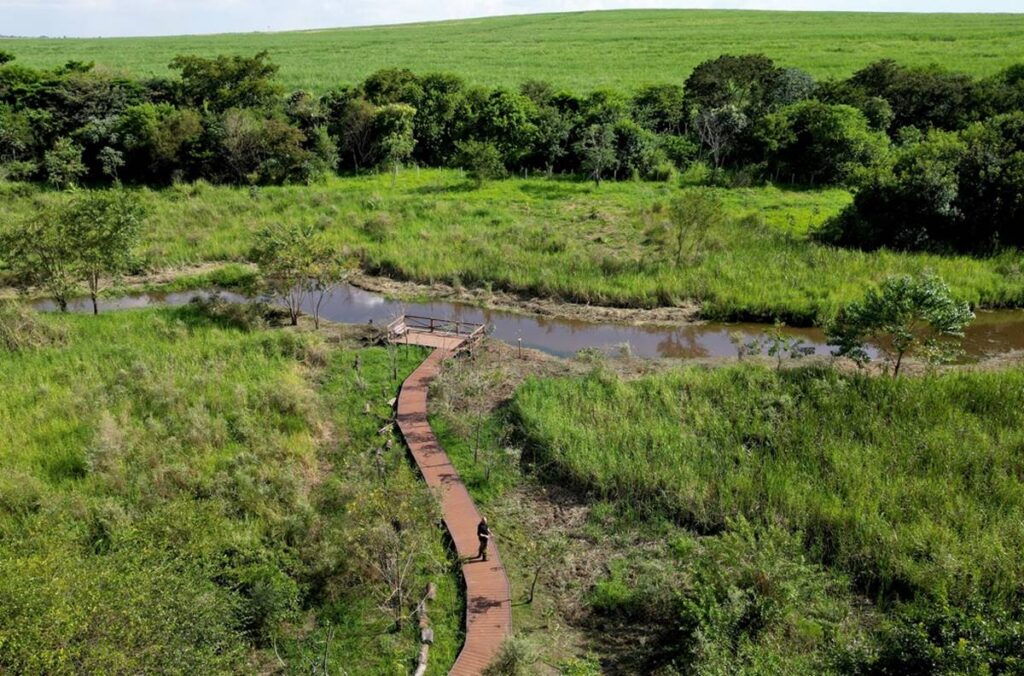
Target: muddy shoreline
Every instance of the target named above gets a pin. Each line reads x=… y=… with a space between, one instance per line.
x=543 y=307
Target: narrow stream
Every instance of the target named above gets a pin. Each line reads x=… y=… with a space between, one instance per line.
x=993 y=332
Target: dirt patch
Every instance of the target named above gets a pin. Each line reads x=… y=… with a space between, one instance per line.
x=544 y=307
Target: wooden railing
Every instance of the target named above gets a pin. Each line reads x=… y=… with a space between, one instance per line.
x=470 y=333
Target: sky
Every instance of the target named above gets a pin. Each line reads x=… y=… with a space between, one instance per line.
x=92 y=18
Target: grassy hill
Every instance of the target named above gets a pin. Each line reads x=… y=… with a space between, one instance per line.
x=581 y=50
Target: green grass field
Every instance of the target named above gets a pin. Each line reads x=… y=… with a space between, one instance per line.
x=558 y=238
x=909 y=484
x=909 y=489
x=622 y=49
x=181 y=494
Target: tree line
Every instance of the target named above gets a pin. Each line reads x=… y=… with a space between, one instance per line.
x=937 y=155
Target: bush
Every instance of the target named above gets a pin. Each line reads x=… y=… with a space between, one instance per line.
x=22 y=329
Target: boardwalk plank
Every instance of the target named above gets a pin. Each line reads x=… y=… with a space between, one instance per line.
x=488 y=598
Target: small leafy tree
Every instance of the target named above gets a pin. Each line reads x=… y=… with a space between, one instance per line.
x=718 y=130
x=482 y=160
x=393 y=124
x=597 y=149
x=685 y=227
x=777 y=344
x=89 y=239
x=901 y=316
x=327 y=269
x=296 y=264
x=285 y=256
x=111 y=160
x=64 y=166
x=104 y=226
x=551 y=135
x=42 y=252
x=5 y=57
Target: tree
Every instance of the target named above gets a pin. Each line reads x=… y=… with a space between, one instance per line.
x=910 y=202
x=903 y=315
x=551 y=135
x=64 y=166
x=991 y=184
x=393 y=126
x=718 y=129
x=111 y=160
x=42 y=252
x=393 y=85
x=156 y=139
x=636 y=150
x=17 y=136
x=749 y=83
x=89 y=239
x=660 y=108
x=327 y=269
x=597 y=150
x=350 y=122
x=437 y=114
x=5 y=57
x=227 y=82
x=690 y=218
x=923 y=97
x=264 y=150
x=104 y=225
x=815 y=142
x=504 y=120
x=481 y=160
x=286 y=256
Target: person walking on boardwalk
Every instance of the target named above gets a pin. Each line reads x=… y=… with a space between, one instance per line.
x=483 y=533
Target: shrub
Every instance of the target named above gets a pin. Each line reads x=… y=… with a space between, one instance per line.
x=22 y=329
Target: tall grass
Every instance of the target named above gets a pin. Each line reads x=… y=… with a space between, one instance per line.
x=559 y=238
x=622 y=49
x=914 y=487
x=179 y=493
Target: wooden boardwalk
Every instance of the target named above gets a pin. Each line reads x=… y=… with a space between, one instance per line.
x=488 y=597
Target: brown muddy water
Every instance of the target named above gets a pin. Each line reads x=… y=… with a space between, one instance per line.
x=992 y=334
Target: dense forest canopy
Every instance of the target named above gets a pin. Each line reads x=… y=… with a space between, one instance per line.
x=938 y=156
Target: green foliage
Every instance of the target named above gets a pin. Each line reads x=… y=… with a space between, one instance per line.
x=105 y=227
x=481 y=160
x=196 y=497
x=908 y=486
x=43 y=252
x=63 y=164
x=744 y=601
x=813 y=142
x=22 y=329
x=393 y=128
x=943 y=191
x=88 y=239
x=597 y=150
x=903 y=315
x=690 y=218
x=227 y=82
x=296 y=264
x=262 y=150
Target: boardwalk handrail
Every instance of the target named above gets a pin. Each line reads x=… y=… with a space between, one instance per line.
x=470 y=332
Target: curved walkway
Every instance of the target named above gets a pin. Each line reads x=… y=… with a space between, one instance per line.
x=488 y=598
